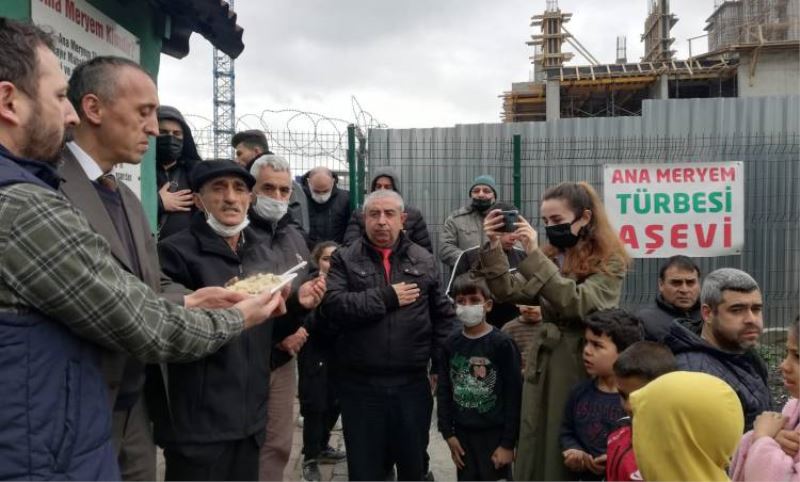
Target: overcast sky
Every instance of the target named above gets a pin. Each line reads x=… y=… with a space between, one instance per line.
x=413 y=63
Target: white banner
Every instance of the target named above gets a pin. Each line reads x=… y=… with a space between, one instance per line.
x=81 y=33
x=693 y=209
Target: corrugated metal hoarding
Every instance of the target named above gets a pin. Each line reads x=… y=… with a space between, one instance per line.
x=437 y=166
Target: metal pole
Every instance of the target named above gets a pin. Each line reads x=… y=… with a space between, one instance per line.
x=351 y=166
x=518 y=171
x=360 y=167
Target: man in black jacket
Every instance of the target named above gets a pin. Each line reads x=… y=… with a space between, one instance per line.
x=414 y=226
x=328 y=206
x=385 y=300
x=678 y=297
x=280 y=236
x=176 y=155
x=731 y=306
x=213 y=424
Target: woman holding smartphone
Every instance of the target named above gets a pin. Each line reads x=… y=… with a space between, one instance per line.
x=578 y=272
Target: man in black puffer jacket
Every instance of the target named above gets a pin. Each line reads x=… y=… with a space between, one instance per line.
x=678 y=297
x=731 y=306
x=385 y=300
x=414 y=227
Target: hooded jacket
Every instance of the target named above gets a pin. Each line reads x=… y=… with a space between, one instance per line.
x=685 y=427
x=172 y=222
x=327 y=221
x=414 y=227
x=745 y=372
x=657 y=318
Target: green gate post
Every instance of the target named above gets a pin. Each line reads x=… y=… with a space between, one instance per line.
x=351 y=165
x=517 y=171
x=360 y=176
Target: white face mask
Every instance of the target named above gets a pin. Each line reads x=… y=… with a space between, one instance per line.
x=223 y=229
x=270 y=209
x=470 y=315
x=321 y=198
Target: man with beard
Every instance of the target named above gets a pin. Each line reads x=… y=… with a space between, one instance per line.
x=463 y=229
x=731 y=305
x=469 y=260
x=63 y=298
x=251 y=144
x=678 y=297
x=176 y=156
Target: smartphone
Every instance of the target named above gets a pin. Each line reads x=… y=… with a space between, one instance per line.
x=510 y=217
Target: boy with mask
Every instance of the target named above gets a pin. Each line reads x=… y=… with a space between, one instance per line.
x=479 y=389
x=176 y=156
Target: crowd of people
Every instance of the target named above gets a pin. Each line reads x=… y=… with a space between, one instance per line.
x=115 y=341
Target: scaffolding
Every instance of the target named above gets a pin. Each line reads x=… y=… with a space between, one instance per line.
x=743 y=23
x=547 y=45
x=656 y=36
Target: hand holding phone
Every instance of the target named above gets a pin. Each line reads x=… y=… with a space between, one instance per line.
x=510 y=218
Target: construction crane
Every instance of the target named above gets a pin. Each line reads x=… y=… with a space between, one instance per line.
x=224 y=102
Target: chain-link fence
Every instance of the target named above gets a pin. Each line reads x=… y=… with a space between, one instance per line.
x=437 y=171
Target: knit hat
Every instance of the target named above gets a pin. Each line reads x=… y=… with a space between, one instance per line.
x=484 y=180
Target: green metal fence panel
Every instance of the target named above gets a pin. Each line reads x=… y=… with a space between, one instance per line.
x=437 y=167
x=355 y=185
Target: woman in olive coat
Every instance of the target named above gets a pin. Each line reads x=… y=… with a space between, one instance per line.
x=578 y=272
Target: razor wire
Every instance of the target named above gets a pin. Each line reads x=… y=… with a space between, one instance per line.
x=293 y=132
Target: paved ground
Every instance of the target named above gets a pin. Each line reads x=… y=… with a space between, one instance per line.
x=441 y=465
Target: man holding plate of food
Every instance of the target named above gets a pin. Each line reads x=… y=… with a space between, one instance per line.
x=211 y=422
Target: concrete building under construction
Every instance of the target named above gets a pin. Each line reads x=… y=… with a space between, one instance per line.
x=753 y=49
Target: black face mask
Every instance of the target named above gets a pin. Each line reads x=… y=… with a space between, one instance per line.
x=560 y=235
x=481 y=205
x=168 y=149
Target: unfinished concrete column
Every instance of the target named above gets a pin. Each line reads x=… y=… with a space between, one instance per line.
x=553 y=100
x=660 y=89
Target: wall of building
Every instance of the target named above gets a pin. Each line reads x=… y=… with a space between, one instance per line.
x=776 y=73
